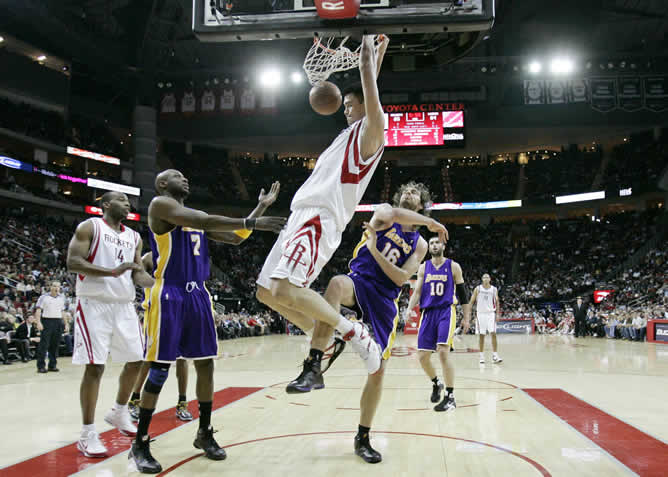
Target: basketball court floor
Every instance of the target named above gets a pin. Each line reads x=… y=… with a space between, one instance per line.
x=556 y=406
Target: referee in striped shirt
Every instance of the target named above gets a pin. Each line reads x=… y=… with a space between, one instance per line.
x=50 y=321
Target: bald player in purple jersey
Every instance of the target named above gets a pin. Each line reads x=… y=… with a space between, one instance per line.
x=387 y=256
x=440 y=286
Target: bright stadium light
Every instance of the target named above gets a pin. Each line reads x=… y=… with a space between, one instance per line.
x=535 y=67
x=270 y=78
x=296 y=77
x=1 y=39
x=41 y=58
x=561 y=66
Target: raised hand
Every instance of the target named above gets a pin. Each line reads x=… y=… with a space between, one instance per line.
x=440 y=229
x=271 y=224
x=371 y=237
x=265 y=200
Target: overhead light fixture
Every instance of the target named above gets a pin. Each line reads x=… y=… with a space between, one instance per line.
x=270 y=78
x=561 y=66
x=296 y=77
x=535 y=67
x=1 y=39
x=41 y=58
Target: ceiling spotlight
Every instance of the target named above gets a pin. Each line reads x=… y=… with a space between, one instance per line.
x=483 y=69
x=611 y=65
x=270 y=78
x=486 y=37
x=492 y=69
x=588 y=65
x=296 y=77
x=41 y=58
x=66 y=68
x=622 y=64
x=169 y=85
x=161 y=85
x=1 y=39
x=535 y=67
x=561 y=66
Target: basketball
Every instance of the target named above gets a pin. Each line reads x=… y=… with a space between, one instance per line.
x=325 y=98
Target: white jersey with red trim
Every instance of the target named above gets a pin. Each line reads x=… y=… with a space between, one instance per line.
x=486 y=302
x=109 y=249
x=340 y=177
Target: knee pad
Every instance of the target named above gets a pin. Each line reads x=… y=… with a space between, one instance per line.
x=157 y=375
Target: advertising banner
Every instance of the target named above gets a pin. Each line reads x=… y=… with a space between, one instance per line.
x=520 y=326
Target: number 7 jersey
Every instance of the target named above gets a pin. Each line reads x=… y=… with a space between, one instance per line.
x=438 y=287
x=180 y=256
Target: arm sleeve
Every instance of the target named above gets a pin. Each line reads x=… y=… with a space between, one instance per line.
x=462 y=292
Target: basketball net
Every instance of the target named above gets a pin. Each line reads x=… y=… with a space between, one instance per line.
x=327 y=55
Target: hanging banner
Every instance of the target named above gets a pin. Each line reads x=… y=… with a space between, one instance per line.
x=557 y=92
x=630 y=93
x=603 y=94
x=656 y=93
x=534 y=92
x=578 y=91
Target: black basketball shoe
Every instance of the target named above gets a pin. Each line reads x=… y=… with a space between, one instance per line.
x=310 y=378
x=336 y=349
x=365 y=451
x=141 y=454
x=208 y=444
x=446 y=404
x=436 y=392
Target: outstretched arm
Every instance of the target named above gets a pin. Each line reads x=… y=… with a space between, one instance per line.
x=385 y=215
x=167 y=209
x=238 y=236
x=458 y=276
x=373 y=136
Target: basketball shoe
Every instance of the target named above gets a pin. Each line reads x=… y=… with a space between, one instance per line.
x=310 y=378
x=182 y=411
x=336 y=348
x=121 y=420
x=482 y=358
x=436 y=392
x=133 y=409
x=140 y=453
x=496 y=358
x=208 y=444
x=446 y=404
x=90 y=445
x=365 y=451
x=365 y=346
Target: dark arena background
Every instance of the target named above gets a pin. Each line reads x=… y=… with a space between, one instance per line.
x=540 y=129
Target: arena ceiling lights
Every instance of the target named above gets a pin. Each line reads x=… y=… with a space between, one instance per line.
x=559 y=65
x=567 y=199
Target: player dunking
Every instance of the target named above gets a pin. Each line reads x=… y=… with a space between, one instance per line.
x=487 y=312
x=101 y=252
x=180 y=318
x=439 y=281
x=389 y=253
x=321 y=209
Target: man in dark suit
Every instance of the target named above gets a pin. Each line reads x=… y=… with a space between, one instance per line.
x=26 y=334
x=580 y=312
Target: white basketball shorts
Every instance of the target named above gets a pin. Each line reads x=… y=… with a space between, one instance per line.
x=486 y=323
x=101 y=329
x=302 y=249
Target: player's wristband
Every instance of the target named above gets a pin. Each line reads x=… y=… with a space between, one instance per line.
x=249 y=224
x=243 y=233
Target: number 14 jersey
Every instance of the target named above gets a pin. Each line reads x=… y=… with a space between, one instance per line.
x=109 y=249
x=438 y=287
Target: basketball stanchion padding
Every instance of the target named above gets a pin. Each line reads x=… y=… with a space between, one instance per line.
x=337 y=9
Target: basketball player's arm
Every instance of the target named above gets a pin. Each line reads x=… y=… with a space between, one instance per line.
x=170 y=211
x=474 y=297
x=417 y=291
x=373 y=135
x=263 y=203
x=140 y=277
x=458 y=276
x=385 y=215
x=77 y=252
x=498 y=304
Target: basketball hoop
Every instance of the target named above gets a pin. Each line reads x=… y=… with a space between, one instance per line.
x=327 y=55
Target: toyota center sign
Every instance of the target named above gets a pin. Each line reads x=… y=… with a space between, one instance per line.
x=521 y=326
x=661 y=332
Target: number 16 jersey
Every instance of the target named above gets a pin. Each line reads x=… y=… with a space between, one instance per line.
x=438 y=287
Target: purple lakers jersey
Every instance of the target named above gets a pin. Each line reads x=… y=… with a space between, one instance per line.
x=438 y=288
x=396 y=245
x=180 y=256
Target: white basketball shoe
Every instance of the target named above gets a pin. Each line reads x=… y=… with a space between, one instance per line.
x=121 y=420
x=361 y=341
x=90 y=445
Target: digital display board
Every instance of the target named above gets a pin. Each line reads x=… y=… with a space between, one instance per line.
x=424 y=128
x=93 y=210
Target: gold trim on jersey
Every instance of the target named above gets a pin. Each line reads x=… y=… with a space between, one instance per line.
x=152 y=319
x=164 y=244
x=387 y=352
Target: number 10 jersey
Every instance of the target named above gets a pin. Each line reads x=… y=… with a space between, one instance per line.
x=438 y=287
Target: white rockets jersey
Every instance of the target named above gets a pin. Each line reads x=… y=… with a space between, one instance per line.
x=486 y=302
x=109 y=249
x=247 y=101
x=208 y=101
x=168 y=104
x=188 y=103
x=227 y=100
x=340 y=177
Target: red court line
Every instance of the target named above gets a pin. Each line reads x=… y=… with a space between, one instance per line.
x=68 y=460
x=638 y=451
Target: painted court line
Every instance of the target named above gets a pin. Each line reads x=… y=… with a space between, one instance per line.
x=68 y=460
x=637 y=450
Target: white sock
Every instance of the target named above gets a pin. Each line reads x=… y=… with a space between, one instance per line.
x=344 y=326
x=120 y=407
x=86 y=428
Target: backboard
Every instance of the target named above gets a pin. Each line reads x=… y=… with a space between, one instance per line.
x=245 y=20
